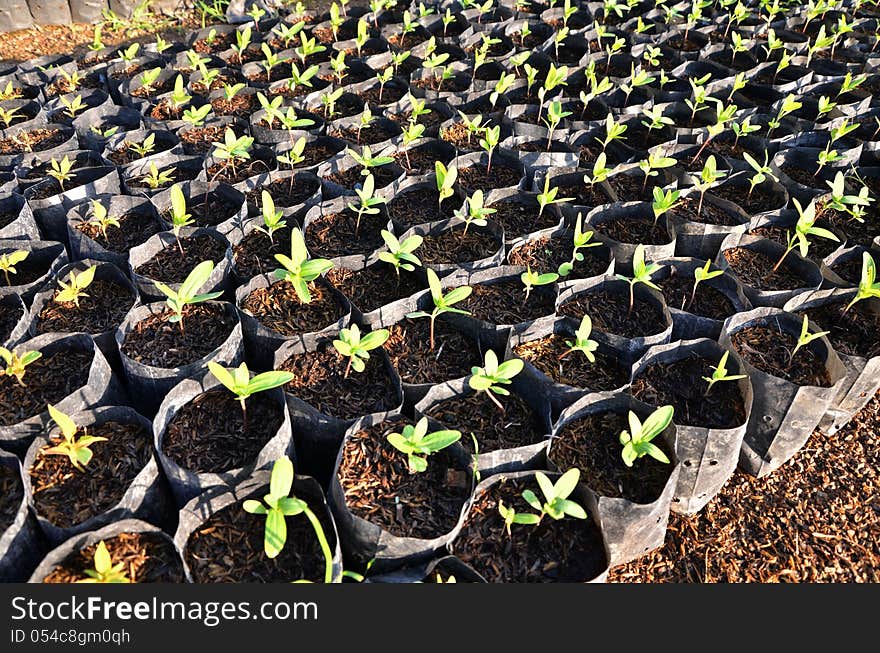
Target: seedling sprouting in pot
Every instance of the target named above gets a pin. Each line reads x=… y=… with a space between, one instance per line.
x=613 y=131
x=548 y=196
x=491 y=377
x=702 y=274
x=637 y=440
x=805 y=338
x=179 y=217
x=239 y=382
x=411 y=133
x=188 y=293
x=16 y=365
x=61 y=170
x=357 y=349
x=555 y=115
x=400 y=254
x=582 y=342
x=75 y=448
x=101 y=219
x=156 y=178
x=556 y=503
x=442 y=303
x=233 y=149
x=366 y=159
x=104 y=570
x=418 y=444
x=650 y=165
x=720 y=374
x=74 y=106
x=580 y=240
x=473 y=211
x=490 y=140
x=10 y=260
x=868 y=285
x=298 y=269
x=761 y=172
x=641 y=274
x=75 y=286
x=707 y=178
x=277 y=506
x=804 y=228
x=531 y=279
x=273 y=219
x=842 y=202
x=369 y=202
x=445 y=179
x=663 y=201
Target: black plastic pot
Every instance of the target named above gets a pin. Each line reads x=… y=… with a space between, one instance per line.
x=23 y=226
x=623 y=252
x=22 y=544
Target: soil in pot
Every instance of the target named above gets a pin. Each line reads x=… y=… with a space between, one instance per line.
x=102 y=308
x=208 y=209
x=848 y=269
x=854 y=333
x=228 y=548
x=10 y=314
x=156 y=342
x=707 y=301
x=239 y=106
x=48 y=380
x=755 y=269
x=768 y=349
x=565 y=550
x=546 y=254
x=278 y=308
x=589 y=195
x=708 y=214
x=753 y=203
x=351 y=178
x=338 y=234
x=546 y=354
x=801 y=175
x=592 y=444
x=408 y=348
x=634 y=230
x=681 y=385
x=377 y=133
x=474 y=413
x=66 y=496
x=226 y=173
x=503 y=302
x=11 y=494
x=33 y=140
x=379 y=487
x=611 y=313
x=459 y=136
x=319 y=381
x=255 y=254
x=454 y=245
x=170 y=266
x=200 y=140
x=134 y=229
x=419 y=161
x=519 y=219
x=210 y=435
x=819 y=247
x=477 y=177
x=420 y=206
x=146 y=558
x=285 y=193
x=374 y=286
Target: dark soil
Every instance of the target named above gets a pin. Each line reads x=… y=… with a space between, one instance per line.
x=769 y=349
x=147 y=558
x=753 y=269
x=420 y=160
x=285 y=193
x=379 y=488
x=11 y=494
x=630 y=188
x=374 y=286
x=565 y=550
x=408 y=348
x=610 y=313
x=209 y=434
x=634 y=231
x=503 y=302
x=708 y=301
x=338 y=234
x=453 y=245
x=319 y=381
x=854 y=332
x=200 y=140
x=278 y=308
x=10 y=314
x=547 y=254
x=474 y=413
x=169 y=266
x=102 y=309
x=33 y=140
x=819 y=247
x=239 y=106
x=208 y=210
x=686 y=209
x=226 y=173
x=66 y=496
x=519 y=219
x=368 y=136
x=476 y=177
x=134 y=229
x=350 y=178
x=458 y=135
x=592 y=444
x=680 y=384
x=48 y=380
x=548 y=354
x=156 y=342
x=255 y=254
x=419 y=206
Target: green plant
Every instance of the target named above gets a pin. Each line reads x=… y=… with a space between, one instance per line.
x=16 y=365
x=720 y=374
x=580 y=240
x=367 y=160
x=294 y=155
x=787 y=106
x=188 y=293
x=641 y=274
x=868 y=285
x=803 y=229
x=400 y=253
x=179 y=217
x=663 y=201
x=805 y=338
x=256 y=13
x=233 y=148
x=555 y=115
x=196 y=116
x=443 y=303
x=273 y=219
x=61 y=170
x=582 y=341
x=473 y=211
x=75 y=448
x=650 y=165
x=350 y=344
x=240 y=383
x=10 y=260
x=9 y=92
x=148 y=79
x=97 y=43
x=445 y=180
x=702 y=274
x=548 y=196
x=707 y=178
x=761 y=172
x=156 y=178
x=144 y=148
x=8 y=115
x=492 y=377
x=490 y=140
x=179 y=97
x=417 y=443
x=242 y=41
x=369 y=203
x=129 y=53
x=613 y=131
x=556 y=503
x=104 y=570
x=75 y=286
x=298 y=269
x=277 y=506
x=531 y=279
x=839 y=200
x=637 y=440
x=101 y=219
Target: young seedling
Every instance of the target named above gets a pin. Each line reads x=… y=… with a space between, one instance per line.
x=75 y=286
x=613 y=131
x=650 y=165
x=412 y=132
x=803 y=229
x=60 y=171
x=74 y=106
x=868 y=285
x=702 y=274
x=708 y=176
x=366 y=159
x=102 y=220
x=445 y=179
x=10 y=260
x=761 y=172
x=720 y=374
x=400 y=254
x=273 y=219
x=442 y=303
x=492 y=377
x=805 y=338
x=641 y=274
x=277 y=506
x=839 y=200
x=788 y=105
x=637 y=440
x=144 y=148
x=196 y=116
x=75 y=448
x=357 y=349
x=555 y=115
x=16 y=365
x=418 y=444
x=582 y=342
x=369 y=204
x=156 y=178
x=104 y=570
x=663 y=201
x=580 y=240
x=556 y=503
x=473 y=211
x=179 y=217
x=548 y=196
x=240 y=383
x=531 y=279
x=187 y=294
x=298 y=269
x=490 y=140
x=148 y=79
x=7 y=116
x=233 y=148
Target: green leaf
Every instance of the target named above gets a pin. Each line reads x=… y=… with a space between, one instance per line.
x=276 y=533
x=526 y=518
x=546 y=486
x=268 y=381
x=291 y=506
x=196 y=279
x=254 y=507
x=532 y=500
x=572 y=509
x=566 y=483
x=282 y=477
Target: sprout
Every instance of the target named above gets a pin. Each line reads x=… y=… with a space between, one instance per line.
x=663 y=202
x=641 y=274
x=637 y=440
x=400 y=254
x=555 y=115
x=805 y=338
x=239 y=382
x=491 y=377
x=350 y=344
x=369 y=203
x=473 y=211
x=720 y=374
x=708 y=176
x=417 y=443
x=556 y=503
x=442 y=303
x=75 y=286
x=702 y=274
x=548 y=196
x=75 y=448
x=580 y=240
x=868 y=285
x=10 y=260
x=490 y=140
x=196 y=116
x=273 y=219
x=16 y=365
x=582 y=342
x=232 y=148
x=61 y=170
x=804 y=228
x=145 y=148
x=188 y=293
x=298 y=269
x=74 y=106
x=445 y=179
x=531 y=279
x=761 y=172
x=156 y=178
x=105 y=571
x=179 y=217
x=101 y=219
x=613 y=131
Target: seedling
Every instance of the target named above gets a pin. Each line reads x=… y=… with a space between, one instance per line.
x=803 y=229
x=74 y=106
x=548 y=196
x=641 y=274
x=702 y=274
x=8 y=115
x=839 y=200
x=637 y=440
x=273 y=219
x=75 y=286
x=556 y=503
x=10 y=260
x=805 y=338
x=473 y=211
x=357 y=349
x=720 y=374
x=418 y=444
x=600 y=172
x=442 y=303
x=179 y=97
x=656 y=119
x=61 y=170
x=329 y=100
x=16 y=365
x=294 y=155
x=101 y=219
x=743 y=128
x=129 y=53
x=242 y=41
x=104 y=570
x=652 y=164
x=492 y=377
x=156 y=178
x=148 y=79
x=663 y=201
x=9 y=92
x=277 y=506
x=179 y=217
x=708 y=176
x=582 y=342
x=788 y=105
x=298 y=269
x=580 y=240
x=531 y=279
x=187 y=294
x=868 y=285
x=412 y=132
x=367 y=160
x=369 y=203
x=613 y=131
x=366 y=119
x=240 y=383
x=75 y=448
x=144 y=148
x=445 y=179
x=502 y=86
x=362 y=35
x=233 y=149
x=761 y=172
x=700 y=96
x=490 y=140
x=196 y=116
x=400 y=254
